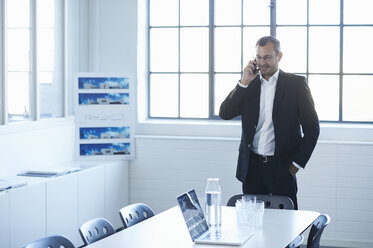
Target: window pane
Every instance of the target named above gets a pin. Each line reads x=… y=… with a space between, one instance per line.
x=194 y=49
x=46 y=13
x=323 y=57
x=160 y=17
x=357 y=98
x=250 y=37
x=194 y=12
x=324 y=12
x=327 y=105
x=227 y=12
x=228 y=49
x=51 y=94
x=291 y=12
x=18 y=49
x=164 y=95
x=358 y=11
x=294 y=47
x=18 y=96
x=224 y=83
x=194 y=96
x=354 y=39
x=18 y=13
x=256 y=12
x=164 y=49
x=51 y=100
x=46 y=49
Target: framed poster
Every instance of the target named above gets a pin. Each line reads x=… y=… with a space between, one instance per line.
x=104 y=116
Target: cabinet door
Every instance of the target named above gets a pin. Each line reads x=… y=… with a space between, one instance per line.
x=62 y=207
x=116 y=191
x=27 y=214
x=4 y=219
x=91 y=202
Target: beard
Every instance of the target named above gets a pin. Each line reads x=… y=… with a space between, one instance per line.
x=267 y=71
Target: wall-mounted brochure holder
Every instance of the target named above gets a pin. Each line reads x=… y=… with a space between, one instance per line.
x=104 y=115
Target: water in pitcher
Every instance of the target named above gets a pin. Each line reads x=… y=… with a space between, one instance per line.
x=213 y=208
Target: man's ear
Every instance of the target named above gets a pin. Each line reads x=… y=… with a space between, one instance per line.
x=279 y=56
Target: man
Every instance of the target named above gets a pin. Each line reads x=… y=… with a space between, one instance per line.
x=275 y=108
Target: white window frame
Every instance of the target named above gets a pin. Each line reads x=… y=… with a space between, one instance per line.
x=273 y=27
x=34 y=96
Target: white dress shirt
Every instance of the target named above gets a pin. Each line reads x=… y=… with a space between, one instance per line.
x=264 y=138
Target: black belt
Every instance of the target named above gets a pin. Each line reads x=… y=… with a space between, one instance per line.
x=262 y=159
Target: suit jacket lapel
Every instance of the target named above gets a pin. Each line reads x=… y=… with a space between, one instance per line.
x=280 y=89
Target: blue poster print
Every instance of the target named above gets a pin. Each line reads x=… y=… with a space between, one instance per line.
x=103 y=82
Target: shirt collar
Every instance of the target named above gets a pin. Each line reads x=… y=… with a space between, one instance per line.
x=273 y=78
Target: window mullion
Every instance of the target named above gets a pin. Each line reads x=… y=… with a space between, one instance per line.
x=273 y=20
x=211 y=57
x=2 y=65
x=341 y=61
x=34 y=89
x=64 y=59
x=178 y=64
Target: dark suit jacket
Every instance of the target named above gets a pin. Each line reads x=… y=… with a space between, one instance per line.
x=293 y=112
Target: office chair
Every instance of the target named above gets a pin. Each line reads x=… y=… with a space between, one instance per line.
x=315 y=233
x=95 y=229
x=270 y=201
x=55 y=241
x=316 y=230
x=135 y=213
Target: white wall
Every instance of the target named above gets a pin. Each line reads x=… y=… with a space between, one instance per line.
x=172 y=158
x=35 y=145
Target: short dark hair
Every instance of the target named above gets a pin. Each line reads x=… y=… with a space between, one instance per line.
x=264 y=40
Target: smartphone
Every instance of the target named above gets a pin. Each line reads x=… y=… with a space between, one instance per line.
x=256 y=69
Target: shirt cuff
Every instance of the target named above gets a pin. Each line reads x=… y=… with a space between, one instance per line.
x=297 y=165
x=241 y=84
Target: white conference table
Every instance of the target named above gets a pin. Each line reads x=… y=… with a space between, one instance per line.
x=168 y=230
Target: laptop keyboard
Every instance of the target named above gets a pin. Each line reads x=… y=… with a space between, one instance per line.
x=214 y=235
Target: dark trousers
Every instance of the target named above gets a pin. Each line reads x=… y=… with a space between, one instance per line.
x=263 y=179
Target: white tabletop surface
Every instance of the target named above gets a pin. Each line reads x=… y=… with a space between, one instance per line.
x=168 y=230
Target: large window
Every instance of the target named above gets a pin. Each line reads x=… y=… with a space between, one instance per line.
x=198 y=48
x=32 y=60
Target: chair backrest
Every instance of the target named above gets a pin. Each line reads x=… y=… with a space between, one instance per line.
x=55 y=241
x=135 y=213
x=95 y=229
x=316 y=230
x=270 y=201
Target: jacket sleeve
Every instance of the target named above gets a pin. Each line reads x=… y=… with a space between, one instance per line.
x=232 y=105
x=309 y=122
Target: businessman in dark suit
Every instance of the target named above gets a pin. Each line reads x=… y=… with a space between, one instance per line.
x=280 y=126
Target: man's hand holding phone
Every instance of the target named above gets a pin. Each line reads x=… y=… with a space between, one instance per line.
x=249 y=72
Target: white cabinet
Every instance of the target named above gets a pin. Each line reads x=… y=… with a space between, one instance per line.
x=27 y=214
x=116 y=191
x=59 y=205
x=62 y=206
x=91 y=193
x=4 y=219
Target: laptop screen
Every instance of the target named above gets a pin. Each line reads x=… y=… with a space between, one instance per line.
x=193 y=214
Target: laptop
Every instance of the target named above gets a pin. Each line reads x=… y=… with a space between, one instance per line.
x=198 y=228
